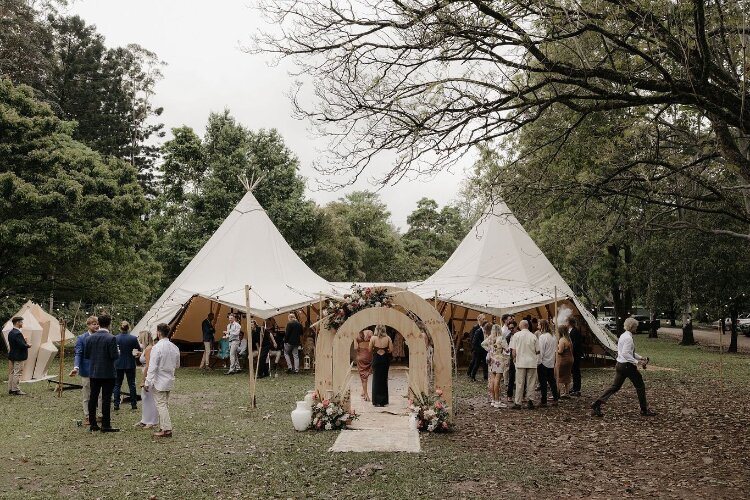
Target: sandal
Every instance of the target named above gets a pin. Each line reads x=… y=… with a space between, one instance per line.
x=140 y=425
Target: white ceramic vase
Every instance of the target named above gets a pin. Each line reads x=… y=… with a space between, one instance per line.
x=301 y=416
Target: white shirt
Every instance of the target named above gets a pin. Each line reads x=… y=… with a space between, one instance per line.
x=547 y=349
x=233 y=331
x=506 y=332
x=524 y=344
x=242 y=349
x=626 y=349
x=165 y=359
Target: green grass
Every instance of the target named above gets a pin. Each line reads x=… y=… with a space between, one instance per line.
x=221 y=449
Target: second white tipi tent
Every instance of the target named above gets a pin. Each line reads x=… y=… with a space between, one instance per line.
x=498 y=269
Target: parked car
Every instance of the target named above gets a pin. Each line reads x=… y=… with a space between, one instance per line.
x=608 y=322
x=644 y=323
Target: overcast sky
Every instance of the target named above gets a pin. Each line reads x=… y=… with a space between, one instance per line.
x=200 y=41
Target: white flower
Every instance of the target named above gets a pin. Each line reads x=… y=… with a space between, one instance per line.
x=361 y=302
x=377 y=304
x=348 y=300
x=329 y=427
x=355 y=296
x=329 y=411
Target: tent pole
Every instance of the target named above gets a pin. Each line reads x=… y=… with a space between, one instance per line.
x=556 y=325
x=251 y=377
x=62 y=359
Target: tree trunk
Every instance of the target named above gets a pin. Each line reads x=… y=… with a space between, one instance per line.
x=733 y=342
x=723 y=324
x=621 y=301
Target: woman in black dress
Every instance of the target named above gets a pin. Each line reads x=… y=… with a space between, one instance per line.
x=381 y=346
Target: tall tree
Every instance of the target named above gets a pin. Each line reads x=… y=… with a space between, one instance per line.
x=70 y=220
x=439 y=76
x=201 y=183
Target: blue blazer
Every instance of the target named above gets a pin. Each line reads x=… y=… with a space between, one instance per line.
x=126 y=343
x=83 y=364
x=101 y=350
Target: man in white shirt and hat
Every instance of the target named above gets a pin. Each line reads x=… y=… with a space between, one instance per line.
x=165 y=359
x=525 y=350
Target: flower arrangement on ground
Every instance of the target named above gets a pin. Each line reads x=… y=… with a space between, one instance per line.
x=338 y=312
x=431 y=412
x=330 y=415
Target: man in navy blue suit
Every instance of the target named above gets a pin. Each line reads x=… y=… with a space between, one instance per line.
x=125 y=364
x=101 y=351
x=81 y=366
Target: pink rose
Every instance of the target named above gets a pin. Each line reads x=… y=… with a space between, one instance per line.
x=326 y=402
x=439 y=392
x=445 y=425
x=438 y=405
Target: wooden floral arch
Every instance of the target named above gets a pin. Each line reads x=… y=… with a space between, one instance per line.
x=332 y=349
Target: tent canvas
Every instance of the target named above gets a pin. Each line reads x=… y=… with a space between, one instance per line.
x=498 y=269
x=246 y=249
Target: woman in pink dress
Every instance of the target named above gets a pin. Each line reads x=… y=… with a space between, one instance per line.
x=364 y=360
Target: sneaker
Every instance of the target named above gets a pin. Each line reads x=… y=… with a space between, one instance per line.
x=648 y=413
x=162 y=434
x=516 y=406
x=500 y=404
x=596 y=410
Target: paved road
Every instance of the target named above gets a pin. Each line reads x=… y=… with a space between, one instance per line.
x=708 y=337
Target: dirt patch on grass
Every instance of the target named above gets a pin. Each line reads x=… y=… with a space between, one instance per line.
x=698 y=445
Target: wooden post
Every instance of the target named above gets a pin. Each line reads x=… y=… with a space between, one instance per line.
x=721 y=359
x=248 y=333
x=556 y=325
x=62 y=359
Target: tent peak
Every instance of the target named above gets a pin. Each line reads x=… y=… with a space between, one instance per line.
x=252 y=183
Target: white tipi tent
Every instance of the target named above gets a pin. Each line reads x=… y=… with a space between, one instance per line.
x=498 y=269
x=247 y=249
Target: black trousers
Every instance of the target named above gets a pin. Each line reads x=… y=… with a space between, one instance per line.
x=264 y=363
x=130 y=374
x=626 y=371
x=478 y=359
x=576 y=374
x=511 y=378
x=105 y=386
x=547 y=376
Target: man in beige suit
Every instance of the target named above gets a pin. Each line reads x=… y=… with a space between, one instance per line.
x=525 y=350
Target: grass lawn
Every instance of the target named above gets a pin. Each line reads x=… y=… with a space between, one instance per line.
x=696 y=446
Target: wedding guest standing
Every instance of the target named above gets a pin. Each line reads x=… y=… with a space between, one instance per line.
x=81 y=366
x=479 y=355
x=524 y=346
x=510 y=372
x=577 y=340
x=18 y=353
x=127 y=344
x=364 y=360
x=381 y=347
x=232 y=335
x=546 y=368
x=496 y=347
x=209 y=332
x=165 y=359
x=626 y=368
x=101 y=351
x=149 y=415
x=564 y=361
x=292 y=341
x=399 y=347
x=266 y=343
